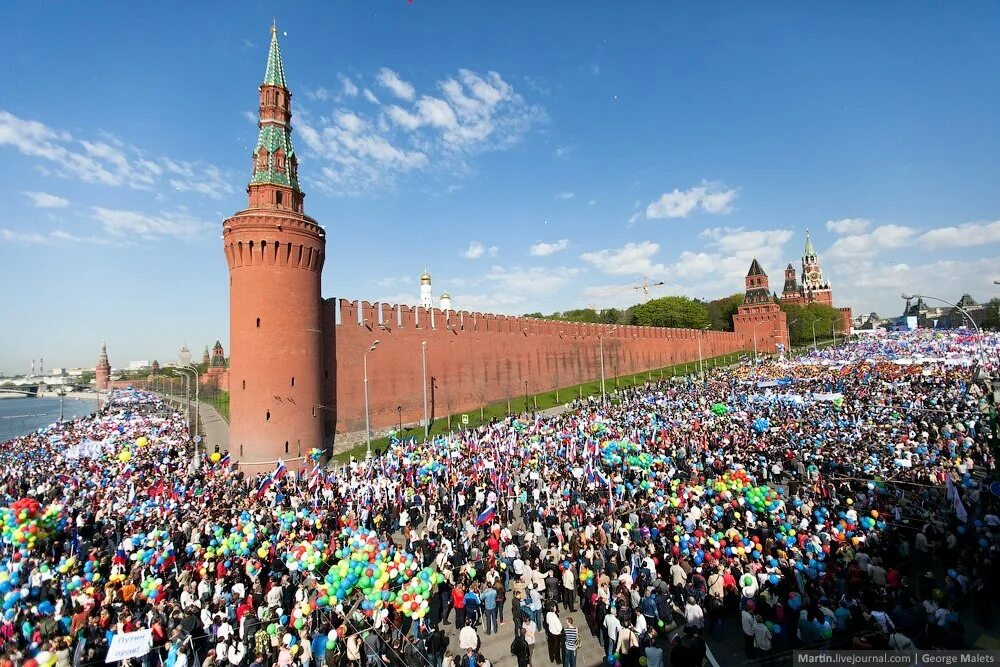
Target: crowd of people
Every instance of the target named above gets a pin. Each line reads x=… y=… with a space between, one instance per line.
x=840 y=499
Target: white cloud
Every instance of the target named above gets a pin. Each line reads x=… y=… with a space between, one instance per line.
x=870 y=244
x=542 y=249
x=962 y=236
x=709 y=197
x=389 y=80
x=563 y=151
x=632 y=259
x=493 y=251
x=349 y=87
x=848 y=226
x=716 y=270
x=474 y=251
x=523 y=285
x=250 y=117
x=50 y=238
x=370 y=96
x=45 y=200
x=129 y=224
x=107 y=162
x=878 y=283
x=467 y=115
x=565 y=195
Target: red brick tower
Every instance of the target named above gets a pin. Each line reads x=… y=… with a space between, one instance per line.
x=275 y=254
x=759 y=319
x=790 y=293
x=102 y=373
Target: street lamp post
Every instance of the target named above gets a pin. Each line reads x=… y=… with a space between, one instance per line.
x=399 y=411
x=701 y=363
x=788 y=342
x=368 y=428
x=423 y=365
x=197 y=400
x=814 y=334
x=600 y=339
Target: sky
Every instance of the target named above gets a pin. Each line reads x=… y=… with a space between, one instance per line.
x=532 y=156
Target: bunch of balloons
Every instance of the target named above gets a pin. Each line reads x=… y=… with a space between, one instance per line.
x=383 y=576
x=25 y=523
x=152 y=589
x=719 y=409
x=154 y=549
x=305 y=556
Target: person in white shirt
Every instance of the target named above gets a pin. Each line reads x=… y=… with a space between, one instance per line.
x=468 y=638
x=761 y=637
x=694 y=615
x=612 y=626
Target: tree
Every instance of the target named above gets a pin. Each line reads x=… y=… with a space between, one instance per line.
x=991 y=318
x=801 y=319
x=671 y=311
x=721 y=311
x=611 y=316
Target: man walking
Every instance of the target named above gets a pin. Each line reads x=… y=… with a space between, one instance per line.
x=571 y=641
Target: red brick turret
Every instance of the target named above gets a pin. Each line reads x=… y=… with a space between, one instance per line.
x=102 y=373
x=275 y=254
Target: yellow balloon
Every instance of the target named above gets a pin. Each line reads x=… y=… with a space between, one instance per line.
x=141 y=441
x=215 y=456
x=124 y=456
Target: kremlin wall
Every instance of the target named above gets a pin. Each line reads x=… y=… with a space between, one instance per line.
x=475 y=358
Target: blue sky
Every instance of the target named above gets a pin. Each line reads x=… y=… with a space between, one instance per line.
x=533 y=156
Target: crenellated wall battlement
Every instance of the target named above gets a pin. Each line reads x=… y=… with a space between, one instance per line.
x=475 y=358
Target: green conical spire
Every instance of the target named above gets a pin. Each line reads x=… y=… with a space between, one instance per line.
x=275 y=133
x=275 y=73
x=810 y=251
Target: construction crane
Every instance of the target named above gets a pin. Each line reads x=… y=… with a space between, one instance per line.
x=646 y=285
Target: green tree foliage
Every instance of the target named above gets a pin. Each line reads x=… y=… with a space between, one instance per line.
x=991 y=320
x=721 y=311
x=671 y=311
x=801 y=319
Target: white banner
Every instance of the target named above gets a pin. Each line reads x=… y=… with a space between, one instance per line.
x=130 y=645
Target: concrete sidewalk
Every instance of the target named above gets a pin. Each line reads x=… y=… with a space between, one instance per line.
x=215 y=429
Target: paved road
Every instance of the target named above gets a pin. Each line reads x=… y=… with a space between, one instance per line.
x=213 y=426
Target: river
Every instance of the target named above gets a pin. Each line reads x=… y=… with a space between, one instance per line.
x=19 y=416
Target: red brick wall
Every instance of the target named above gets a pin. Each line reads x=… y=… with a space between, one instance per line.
x=474 y=358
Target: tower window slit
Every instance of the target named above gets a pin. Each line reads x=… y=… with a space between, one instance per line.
x=267 y=416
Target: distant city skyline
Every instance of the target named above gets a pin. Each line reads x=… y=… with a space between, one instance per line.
x=531 y=157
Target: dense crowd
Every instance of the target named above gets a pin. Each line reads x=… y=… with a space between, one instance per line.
x=833 y=500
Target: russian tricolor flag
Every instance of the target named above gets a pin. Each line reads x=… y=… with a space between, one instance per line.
x=264 y=485
x=280 y=471
x=486 y=516
x=225 y=460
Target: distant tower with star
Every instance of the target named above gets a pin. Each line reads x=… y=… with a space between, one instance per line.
x=102 y=372
x=275 y=254
x=815 y=288
x=426 y=295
